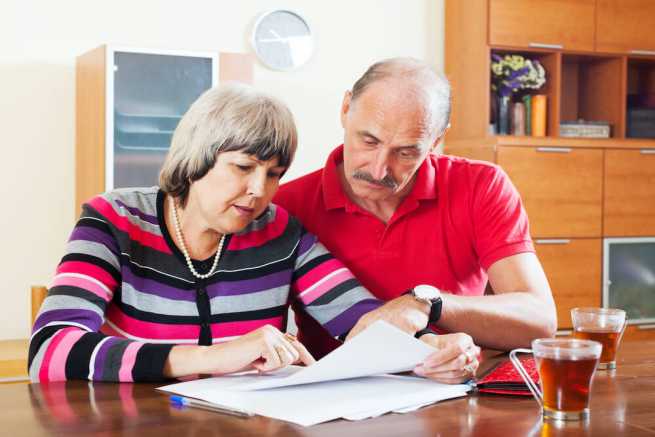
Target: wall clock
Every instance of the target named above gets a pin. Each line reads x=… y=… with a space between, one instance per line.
x=282 y=40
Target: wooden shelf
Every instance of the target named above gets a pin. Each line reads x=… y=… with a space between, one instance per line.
x=511 y=140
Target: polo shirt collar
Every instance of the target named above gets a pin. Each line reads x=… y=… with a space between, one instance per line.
x=335 y=197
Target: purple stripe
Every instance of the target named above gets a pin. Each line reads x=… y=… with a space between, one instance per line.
x=247 y=286
x=345 y=321
x=306 y=243
x=99 y=364
x=137 y=212
x=87 y=233
x=156 y=288
x=88 y=318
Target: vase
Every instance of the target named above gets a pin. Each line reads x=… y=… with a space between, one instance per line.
x=502 y=119
x=518 y=119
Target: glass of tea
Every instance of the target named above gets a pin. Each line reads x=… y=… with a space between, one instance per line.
x=604 y=325
x=566 y=368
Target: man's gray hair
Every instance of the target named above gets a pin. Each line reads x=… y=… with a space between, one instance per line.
x=433 y=88
x=230 y=117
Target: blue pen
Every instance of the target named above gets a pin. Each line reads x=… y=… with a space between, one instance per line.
x=203 y=405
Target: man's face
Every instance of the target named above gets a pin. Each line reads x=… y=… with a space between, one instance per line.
x=386 y=138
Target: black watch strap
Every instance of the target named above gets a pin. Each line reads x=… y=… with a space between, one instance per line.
x=424 y=331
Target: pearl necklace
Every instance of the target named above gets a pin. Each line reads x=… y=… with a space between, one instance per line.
x=180 y=238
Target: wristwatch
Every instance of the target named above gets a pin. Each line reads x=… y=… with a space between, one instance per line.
x=430 y=295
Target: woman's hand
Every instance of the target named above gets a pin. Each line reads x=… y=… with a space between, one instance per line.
x=456 y=360
x=265 y=349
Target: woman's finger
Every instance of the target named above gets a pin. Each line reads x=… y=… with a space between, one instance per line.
x=304 y=356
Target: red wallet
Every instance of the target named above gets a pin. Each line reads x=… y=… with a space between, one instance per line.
x=505 y=379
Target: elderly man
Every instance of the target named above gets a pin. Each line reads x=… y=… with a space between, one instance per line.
x=399 y=215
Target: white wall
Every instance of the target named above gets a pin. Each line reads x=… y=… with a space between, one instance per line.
x=39 y=40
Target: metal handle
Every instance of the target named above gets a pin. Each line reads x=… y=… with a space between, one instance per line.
x=553 y=241
x=647 y=151
x=643 y=52
x=534 y=388
x=540 y=45
x=554 y=149
x=646 y=327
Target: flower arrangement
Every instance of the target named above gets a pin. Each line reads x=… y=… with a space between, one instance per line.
x=512 y=73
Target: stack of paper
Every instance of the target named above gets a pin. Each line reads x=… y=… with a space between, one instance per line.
x=341 y=385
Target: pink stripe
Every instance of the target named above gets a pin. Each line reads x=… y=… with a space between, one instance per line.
x=160 y=331
x=135 y=232
x=83 y=283
x=230 y=329
x=150 y=330
x=262 y=236
x=317 y=273
x=57 y=372
x=88 y=269
x=47 y=356
x=326 y=286
x=127 y=363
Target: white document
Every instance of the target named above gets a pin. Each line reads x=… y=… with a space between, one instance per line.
x=381 y=348
x=336 y=391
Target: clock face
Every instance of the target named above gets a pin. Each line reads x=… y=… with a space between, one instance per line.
x=282 y=40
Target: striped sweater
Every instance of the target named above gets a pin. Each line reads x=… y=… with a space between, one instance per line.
x=123 y=295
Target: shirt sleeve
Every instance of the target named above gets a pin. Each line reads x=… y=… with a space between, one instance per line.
x=327 y=290
x=66 y=341
x=500 y=222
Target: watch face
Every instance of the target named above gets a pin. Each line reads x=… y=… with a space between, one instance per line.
x=426 y=292
x=282 y=40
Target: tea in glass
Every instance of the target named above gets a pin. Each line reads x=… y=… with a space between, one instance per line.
x=566 y=368
x=604 y=325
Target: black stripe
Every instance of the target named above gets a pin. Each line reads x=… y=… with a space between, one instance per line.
x=38 y=340
x=89 y=222
x=335 y=292
x=77 y=363
x=312 y=264
x=69 y=290
x=214 y=318
x=95 y=261
x=150 y=362
x=255 y=273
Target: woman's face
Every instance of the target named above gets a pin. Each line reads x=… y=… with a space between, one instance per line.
x=235 y=192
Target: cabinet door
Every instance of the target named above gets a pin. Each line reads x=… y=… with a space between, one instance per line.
x=561 y=188
x=625 y=26
x=567 y=24
x=629 y=193
x=151 y=92
x=573 y=269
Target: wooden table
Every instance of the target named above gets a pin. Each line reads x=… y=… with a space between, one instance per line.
x=622 y=403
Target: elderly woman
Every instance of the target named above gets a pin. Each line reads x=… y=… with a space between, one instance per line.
x=196 y=276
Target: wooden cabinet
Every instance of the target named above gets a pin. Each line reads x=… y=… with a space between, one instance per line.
x=561 y=188
x=629 y=193
x=625 y=26
x=573 y=268
x=566 y=24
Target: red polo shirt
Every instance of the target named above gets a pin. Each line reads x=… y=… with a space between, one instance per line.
x=460 y=217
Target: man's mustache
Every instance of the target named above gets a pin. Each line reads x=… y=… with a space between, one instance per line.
x=387 y=181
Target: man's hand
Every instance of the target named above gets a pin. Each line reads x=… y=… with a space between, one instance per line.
x=456 y=360
x=404 y=312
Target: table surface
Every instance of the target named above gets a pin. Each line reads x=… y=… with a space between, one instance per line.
x=622 y=403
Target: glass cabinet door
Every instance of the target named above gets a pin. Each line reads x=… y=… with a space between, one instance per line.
x=630 y=277
x=151 y=92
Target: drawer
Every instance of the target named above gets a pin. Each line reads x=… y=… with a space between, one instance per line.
x=561 y=188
